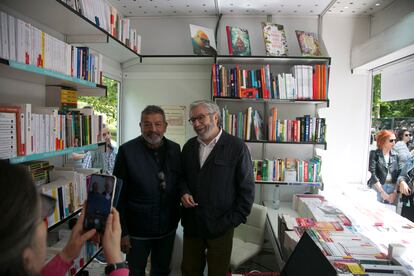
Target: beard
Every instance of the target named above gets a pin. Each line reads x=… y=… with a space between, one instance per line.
x=206 y=131
x=153 y=138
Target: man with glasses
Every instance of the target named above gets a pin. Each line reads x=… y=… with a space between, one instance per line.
x=99 y=159
x=217 y=192
x=149 y=205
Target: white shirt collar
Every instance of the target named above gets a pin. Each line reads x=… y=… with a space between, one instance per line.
x=212 y=142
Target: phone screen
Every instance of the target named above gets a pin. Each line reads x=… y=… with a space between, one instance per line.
x=99 y=201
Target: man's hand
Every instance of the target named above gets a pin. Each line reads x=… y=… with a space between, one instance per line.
x=125 y=244
x=111 y=241
x=188 y=201
x=77 y=239
x=404 y=189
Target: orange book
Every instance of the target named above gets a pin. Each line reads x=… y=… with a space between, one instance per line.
x=323 y=83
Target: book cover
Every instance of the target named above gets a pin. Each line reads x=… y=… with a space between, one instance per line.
x=308 y=43
x=203 y=41
x=274 y=39
x=238 y=41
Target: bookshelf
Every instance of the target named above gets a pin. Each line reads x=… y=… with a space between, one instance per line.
x=52 y=17
x=76 y=28
x=33 y=74
x=45 y=155
x=273 y=145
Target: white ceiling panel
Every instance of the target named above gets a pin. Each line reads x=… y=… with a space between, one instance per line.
x=284 y=7
x=151 y=8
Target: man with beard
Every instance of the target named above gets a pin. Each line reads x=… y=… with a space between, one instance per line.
x=149 y=204
x=217 y=192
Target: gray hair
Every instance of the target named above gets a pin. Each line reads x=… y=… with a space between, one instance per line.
x=153 y=109
x=209 y=105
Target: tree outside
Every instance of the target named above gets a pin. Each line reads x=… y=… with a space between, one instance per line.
x=390 y=115
x=106 y=106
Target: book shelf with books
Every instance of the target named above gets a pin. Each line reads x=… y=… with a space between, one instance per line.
x=50 y=154
x=31 y=73
x=41 y=125
x=273 y=104
x=95 y=25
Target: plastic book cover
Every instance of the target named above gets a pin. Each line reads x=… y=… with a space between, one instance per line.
x=308 y=43
x=203 y=41
x=274 y=39
x=238 y=41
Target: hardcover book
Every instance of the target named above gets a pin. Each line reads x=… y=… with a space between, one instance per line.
x=203 y=41
x=238 y=41
x=308 y=43
x=274 y=39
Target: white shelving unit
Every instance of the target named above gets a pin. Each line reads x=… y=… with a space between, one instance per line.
x=287 y=109
x=76 y=28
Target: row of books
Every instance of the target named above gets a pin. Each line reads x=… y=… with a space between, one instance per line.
x=27 y=130
x=287 y=170
x=87 y=251
x=69 y=188
x=305 y=82
x=26 y=44
x=39 y=171
x=107 y=17
x=249 y=126
x=301 y=129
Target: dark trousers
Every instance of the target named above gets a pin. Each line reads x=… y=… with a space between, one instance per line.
x=217 y=251
x=161 y=251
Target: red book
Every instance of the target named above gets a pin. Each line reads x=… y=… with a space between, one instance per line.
x=16 y=109
x=229 y=40
x=213 y=76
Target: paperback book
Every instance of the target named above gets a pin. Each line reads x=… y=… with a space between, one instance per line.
x=238 y=41
x=308 y=43
x=203 y=41
x=274 y=39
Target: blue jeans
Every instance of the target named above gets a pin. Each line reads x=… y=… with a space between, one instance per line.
x=389 y=189
x=161 y=251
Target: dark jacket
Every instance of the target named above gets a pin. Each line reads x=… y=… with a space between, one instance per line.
x=223 y=187
x=379 y=168
x=145 y=209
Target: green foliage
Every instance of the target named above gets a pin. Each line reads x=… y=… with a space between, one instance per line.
x=380 y=109
x=106 y=105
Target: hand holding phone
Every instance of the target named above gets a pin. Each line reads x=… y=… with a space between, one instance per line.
x=99 y=202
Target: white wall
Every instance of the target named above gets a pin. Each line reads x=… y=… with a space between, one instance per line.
x=390 y=15
x=348 y=114
x=161 y=85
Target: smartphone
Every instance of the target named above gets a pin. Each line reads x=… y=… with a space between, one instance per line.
x=99 y=202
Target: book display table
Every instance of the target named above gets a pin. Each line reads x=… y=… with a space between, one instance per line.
x=351 y=230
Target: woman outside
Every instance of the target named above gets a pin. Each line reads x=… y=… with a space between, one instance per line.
x=385 y=168
x=401 y=147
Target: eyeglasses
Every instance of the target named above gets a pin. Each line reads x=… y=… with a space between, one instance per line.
x=392 y=140
x=408 y=134
x=199 y=118
x=161 y=178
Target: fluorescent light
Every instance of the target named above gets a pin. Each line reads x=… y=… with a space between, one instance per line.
x=377 y=4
